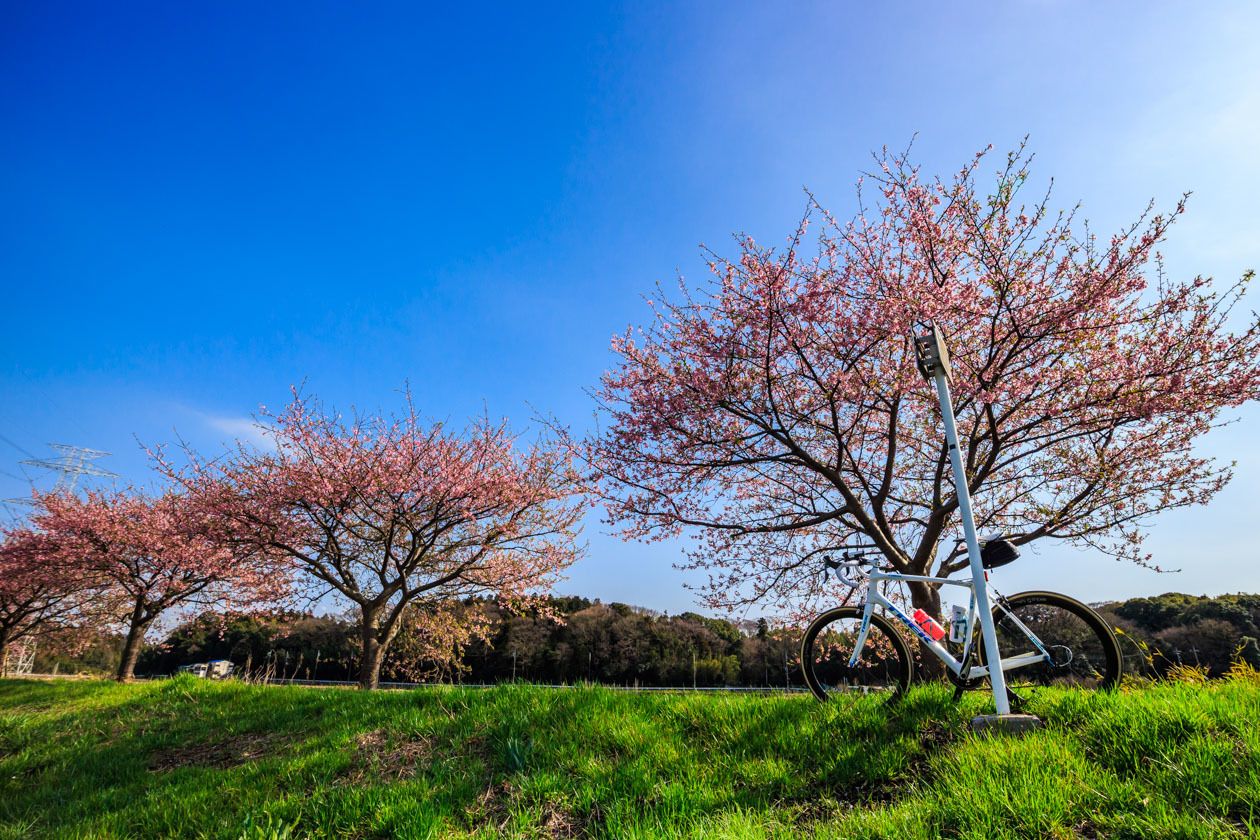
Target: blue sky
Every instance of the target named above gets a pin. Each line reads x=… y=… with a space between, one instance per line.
x=203 y=205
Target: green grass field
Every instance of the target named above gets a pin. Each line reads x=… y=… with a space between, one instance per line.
x=189 y=758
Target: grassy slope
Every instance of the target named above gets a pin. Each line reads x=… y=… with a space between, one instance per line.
x=188 y=758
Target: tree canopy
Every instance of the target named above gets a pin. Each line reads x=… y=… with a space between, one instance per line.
x=775 y=411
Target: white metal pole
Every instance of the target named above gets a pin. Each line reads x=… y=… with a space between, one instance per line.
x=996 y=678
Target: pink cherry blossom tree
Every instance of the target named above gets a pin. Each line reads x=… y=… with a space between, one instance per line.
x=40 y=597
x=146 y=555
x=388 y=513
x=775 y=412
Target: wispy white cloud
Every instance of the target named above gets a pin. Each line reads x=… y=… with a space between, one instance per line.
x=243 y=429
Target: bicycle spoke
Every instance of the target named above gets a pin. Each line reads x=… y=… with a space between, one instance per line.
x=1080 y=652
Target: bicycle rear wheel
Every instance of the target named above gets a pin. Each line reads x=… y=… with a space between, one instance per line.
x=884 y=667
x=1084 y=652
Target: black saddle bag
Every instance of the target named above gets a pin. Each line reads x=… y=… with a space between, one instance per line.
x=996 y=553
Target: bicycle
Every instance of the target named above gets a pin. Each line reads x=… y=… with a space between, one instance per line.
x=1045 y=638
x=1071 y=644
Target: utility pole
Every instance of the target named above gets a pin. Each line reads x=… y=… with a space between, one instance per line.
x=932 y=357
x=933 y=361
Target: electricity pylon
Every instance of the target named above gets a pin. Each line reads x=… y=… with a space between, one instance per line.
x=25 y=658
x=73 y=462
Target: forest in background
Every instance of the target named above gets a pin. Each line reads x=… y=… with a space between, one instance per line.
x=619 y=644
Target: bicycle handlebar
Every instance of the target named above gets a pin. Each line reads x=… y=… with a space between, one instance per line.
x=839 y=565
x=845 y=579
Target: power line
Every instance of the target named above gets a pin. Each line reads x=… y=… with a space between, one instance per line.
x=15 y=446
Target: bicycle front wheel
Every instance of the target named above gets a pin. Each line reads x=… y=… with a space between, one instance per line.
x=883 y=667
x=1083 y=651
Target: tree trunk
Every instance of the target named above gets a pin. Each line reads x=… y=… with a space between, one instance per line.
x=373 y=650
x=131 y=649
x=927 y=597
x=4 y=652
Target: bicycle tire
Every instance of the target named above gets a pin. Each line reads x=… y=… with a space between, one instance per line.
x=826 y=670
x=1090 y=650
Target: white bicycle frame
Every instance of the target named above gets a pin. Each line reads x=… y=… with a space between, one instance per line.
x=875 y=597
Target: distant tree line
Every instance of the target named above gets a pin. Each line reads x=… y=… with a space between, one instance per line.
x=566 y=640
x=619 y=644
x=572 y=639
x=1177 y=629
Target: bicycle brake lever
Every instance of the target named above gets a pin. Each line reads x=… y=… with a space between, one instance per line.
x=828 y=565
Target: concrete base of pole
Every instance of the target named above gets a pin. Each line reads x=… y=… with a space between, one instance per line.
x=1017 y=725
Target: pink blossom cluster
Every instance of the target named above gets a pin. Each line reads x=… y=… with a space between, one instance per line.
x=390 y=513
x=119 y=560
x=41 y=598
